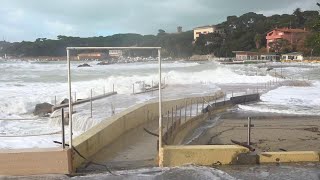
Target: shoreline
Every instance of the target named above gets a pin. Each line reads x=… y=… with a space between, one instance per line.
x=271 y=132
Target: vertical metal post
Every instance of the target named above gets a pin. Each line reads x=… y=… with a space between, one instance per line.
x=133 y=88
x=232 y=94
x=202 y=104
x=55 y=100
x=185 y=112
x=197 y=107
x=70 y=99
x=180 y=116
x=191 y=109
x=112 y=87
x=171 y=120
x=168 y=120
x=175 y=118
x=62 y=129
x=91 y=103
x=249 y=131
x=160 y=110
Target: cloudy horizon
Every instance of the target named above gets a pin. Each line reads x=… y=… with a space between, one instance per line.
x=28 y=20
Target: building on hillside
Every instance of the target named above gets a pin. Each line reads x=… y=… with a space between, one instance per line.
x=179 y=29
x=206 y=30
x=255 y=56
x=294 y=56
x=115 y=53
x=92 y=56
x=291 y=35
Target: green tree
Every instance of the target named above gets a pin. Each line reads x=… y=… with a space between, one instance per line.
x=258 y=40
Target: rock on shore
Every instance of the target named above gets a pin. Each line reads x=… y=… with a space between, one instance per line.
x=42 y=109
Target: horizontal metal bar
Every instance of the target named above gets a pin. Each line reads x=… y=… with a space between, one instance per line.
x=83 y=101
x=82 y=48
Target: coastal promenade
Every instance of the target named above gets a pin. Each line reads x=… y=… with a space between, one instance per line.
x=129 y=139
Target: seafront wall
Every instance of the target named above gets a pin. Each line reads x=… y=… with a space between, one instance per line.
x=106 y=132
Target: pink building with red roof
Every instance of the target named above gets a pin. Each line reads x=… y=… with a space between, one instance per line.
x=292 y=35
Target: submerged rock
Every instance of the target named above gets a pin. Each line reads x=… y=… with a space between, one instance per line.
x=42 y=109
x=84 y=65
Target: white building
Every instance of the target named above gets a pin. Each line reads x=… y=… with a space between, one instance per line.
x=294 y=56
x=206 y=30
x=115 y=53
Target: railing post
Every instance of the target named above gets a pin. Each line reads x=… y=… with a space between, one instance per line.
x=133 y=88
x=175 y=118
x=197 y=107
x=185 y=112
x=168 y=119
x=202 y=104
x=91 y=103
x=249 y=131
x=55 y=100
x=62 y=129
x=191 y=109
x=180 y=116
x=171 y=121
x=112 y=87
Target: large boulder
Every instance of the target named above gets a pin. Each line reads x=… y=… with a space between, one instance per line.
x=84 y=65
x=42 y=109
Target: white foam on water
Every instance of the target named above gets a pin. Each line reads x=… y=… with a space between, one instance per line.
x=184 y=172
x=25 y=84
x=289 y=100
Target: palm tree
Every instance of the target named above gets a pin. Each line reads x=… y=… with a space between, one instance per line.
x=257 y=40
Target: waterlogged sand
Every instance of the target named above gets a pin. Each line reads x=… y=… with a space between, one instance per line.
x=270 y=132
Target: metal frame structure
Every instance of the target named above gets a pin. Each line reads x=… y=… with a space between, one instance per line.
x=118 y=48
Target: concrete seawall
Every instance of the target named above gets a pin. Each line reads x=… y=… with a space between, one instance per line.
x=109 y=130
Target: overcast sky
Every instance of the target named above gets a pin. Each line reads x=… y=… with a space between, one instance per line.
x=30 y=19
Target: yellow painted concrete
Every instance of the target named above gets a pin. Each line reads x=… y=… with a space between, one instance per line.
x=206 y=155
x=35 y=161
x=287 y=157
x=112 y=128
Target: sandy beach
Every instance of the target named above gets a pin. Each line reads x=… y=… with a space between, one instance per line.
x=271 y=132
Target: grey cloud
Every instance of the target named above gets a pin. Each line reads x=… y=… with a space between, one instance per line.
x=27 y=20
